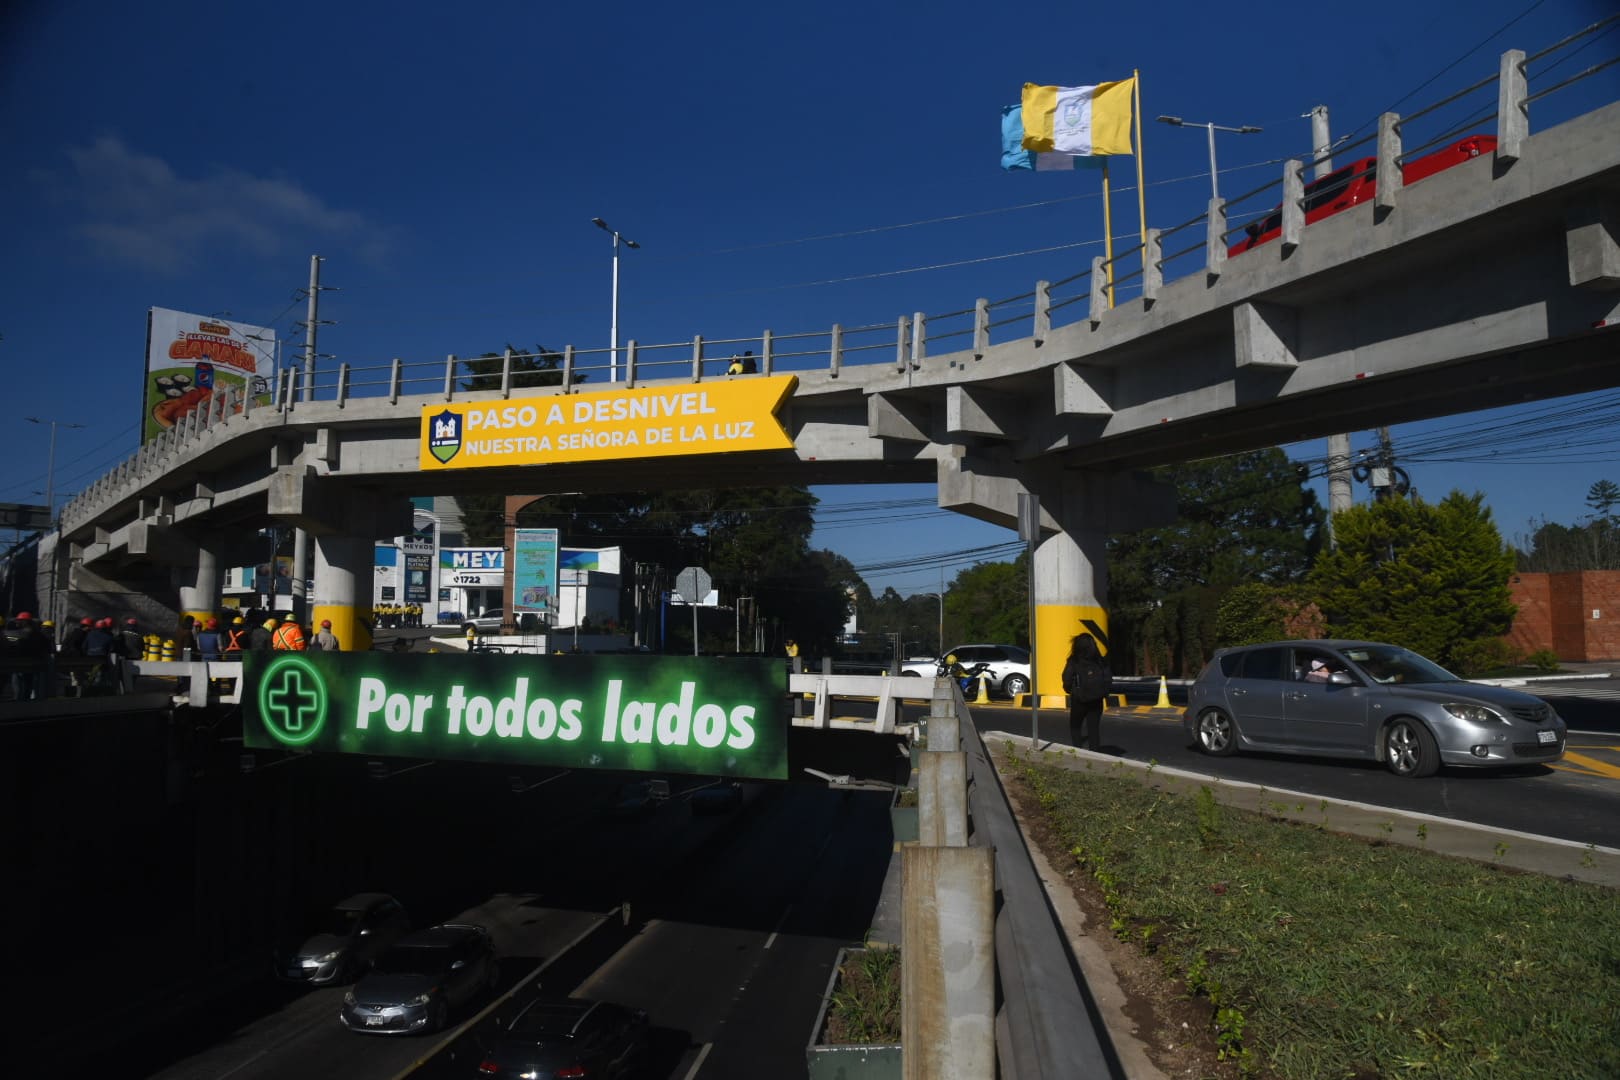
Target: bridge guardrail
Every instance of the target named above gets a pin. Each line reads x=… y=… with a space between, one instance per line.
x=1142 y=268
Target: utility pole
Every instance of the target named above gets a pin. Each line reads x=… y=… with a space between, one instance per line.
x=1338 y=448
x=300 y=570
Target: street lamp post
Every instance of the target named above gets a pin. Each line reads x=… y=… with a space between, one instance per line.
x=1246 y=129
x=50 y=466
x=613 y=339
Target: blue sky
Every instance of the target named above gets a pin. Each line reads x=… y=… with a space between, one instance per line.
x=784 y=167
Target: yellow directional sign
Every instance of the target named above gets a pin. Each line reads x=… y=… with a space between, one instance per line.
x=637 y=422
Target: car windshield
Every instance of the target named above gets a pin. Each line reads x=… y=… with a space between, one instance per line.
x=415 y=960
x=339 y=921
x=1392 y=664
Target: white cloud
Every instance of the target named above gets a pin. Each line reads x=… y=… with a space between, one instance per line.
x=139 y=211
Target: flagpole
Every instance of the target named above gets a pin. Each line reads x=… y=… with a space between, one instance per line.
x=1108 y=232
x=1141 y=188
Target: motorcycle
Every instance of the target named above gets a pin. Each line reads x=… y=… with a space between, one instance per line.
x=967 y=678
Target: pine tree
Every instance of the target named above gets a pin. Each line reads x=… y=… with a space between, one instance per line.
x=1430 y=577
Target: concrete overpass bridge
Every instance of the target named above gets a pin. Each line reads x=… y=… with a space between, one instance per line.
x=1487 y=284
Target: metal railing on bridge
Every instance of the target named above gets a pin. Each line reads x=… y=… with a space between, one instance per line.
x=908 y=342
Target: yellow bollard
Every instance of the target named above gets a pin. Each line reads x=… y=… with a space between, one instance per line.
x=984 y=694
x=1164 y=695
x=168 y=649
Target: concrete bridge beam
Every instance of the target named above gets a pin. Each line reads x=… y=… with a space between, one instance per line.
x=1592 y=239
x=322 y=506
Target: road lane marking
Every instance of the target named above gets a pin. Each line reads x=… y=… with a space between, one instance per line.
x=1586 y=766
x=696 y=1065
x=457 y=1031
x=778 y=928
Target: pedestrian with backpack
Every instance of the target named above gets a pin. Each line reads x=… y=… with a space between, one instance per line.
x=1087 y=681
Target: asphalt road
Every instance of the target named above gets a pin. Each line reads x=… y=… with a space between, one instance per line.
x=724 y=928
x=1576 y=799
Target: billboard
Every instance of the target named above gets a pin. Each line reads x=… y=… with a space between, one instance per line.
x=702 y=716
x=468 y=567
x=639 y=422
x=191 y=358
x=534 y=573
x=386 y=587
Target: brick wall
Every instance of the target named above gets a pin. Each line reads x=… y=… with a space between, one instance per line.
x=1600 y=591
x=1532 y=626
x=1556 y=612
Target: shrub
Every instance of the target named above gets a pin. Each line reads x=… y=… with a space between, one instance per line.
x=1543 y=659
x=1476 y=657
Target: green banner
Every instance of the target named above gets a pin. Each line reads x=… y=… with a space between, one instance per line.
x=700 y=715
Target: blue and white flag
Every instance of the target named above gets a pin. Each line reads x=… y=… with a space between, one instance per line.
x=1014 y=157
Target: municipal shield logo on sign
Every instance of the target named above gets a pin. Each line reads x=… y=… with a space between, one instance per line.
x=444 y=435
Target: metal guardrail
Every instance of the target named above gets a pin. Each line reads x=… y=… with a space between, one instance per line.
x=904 y=342
x=1047 y=1028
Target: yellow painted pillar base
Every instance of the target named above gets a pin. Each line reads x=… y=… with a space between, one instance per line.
x=199 y=617
x=351 y=631
x=1055 y=628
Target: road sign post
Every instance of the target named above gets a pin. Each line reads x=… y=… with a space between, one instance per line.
x=692 y=585
x=1029 y=531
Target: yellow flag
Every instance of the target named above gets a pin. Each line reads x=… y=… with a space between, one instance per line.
x=1084 y=121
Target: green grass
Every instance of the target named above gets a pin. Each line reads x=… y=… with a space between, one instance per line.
x=865 y=1005
x=1329 y=956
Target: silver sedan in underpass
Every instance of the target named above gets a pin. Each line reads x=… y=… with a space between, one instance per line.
x=1364 y=699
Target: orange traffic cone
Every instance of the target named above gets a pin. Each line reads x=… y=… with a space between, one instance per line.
x=1164 y=695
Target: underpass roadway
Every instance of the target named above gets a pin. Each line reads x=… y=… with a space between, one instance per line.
x=723 y=927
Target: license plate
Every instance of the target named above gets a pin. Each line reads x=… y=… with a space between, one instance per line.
x=1547 y=736
x=375 y=1021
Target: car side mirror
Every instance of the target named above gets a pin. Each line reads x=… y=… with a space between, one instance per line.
x=458 y=964
x=1341 y=678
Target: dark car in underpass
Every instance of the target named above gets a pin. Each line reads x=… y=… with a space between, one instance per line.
x=345 y=940
x=1364 y=699
x=416 y=986
x=557 y=1038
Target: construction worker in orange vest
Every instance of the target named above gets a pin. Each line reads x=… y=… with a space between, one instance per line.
x=236 y=636
x=289 y=636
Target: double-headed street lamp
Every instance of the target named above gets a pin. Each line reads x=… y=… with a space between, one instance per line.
x=1247 y=129
x=613 y=341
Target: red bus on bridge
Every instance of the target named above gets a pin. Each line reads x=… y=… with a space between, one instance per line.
x=1358 y=183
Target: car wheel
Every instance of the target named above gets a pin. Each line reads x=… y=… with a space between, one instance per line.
x=1016 y=684
x=1216 y=735
x=1409 y=749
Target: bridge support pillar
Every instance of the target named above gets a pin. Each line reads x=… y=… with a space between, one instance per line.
x=199 y=583
x=343 y=576
x=1080 y=508
x=1071 y=587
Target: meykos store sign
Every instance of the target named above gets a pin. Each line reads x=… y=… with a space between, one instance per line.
x=640 y=422
x=724 y=717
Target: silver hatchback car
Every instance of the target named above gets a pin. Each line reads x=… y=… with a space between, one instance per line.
x=1364 y=699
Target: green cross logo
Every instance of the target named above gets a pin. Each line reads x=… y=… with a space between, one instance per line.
x=292 y=700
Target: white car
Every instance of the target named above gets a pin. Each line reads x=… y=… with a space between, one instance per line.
x=1008 y=666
